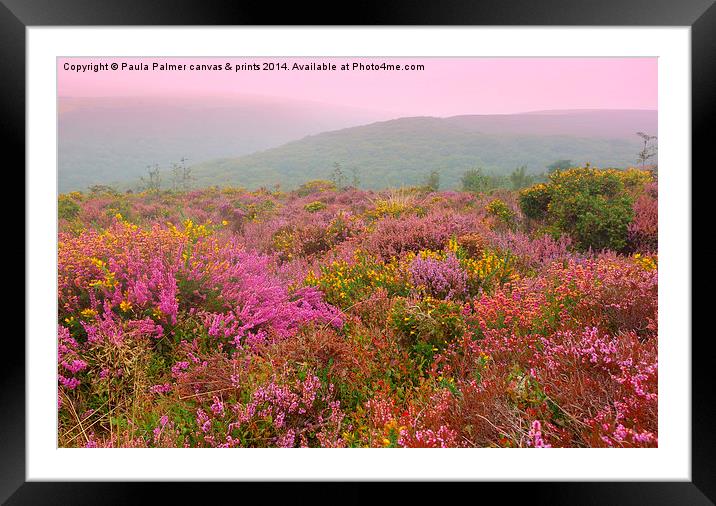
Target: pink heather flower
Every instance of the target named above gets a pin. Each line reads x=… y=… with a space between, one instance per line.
x=160 y=389
x=428 y=438
x=644 y=438
x=178 y=368
x=444 y=279
x=217 y=407
x=533 y=252
x=69 y=383
x=75 y=366
x=287 y=440
x=203 y=420
x=620 y=433
x=535 y=436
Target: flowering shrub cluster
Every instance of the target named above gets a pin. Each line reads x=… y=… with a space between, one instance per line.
x=347 y=318
x=594 y=206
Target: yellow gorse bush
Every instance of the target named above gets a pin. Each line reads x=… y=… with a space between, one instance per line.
x=647 y=262
x=344 y=282
x=88 y=313
x=499 y=209
x=108 y=281
x=490 y=268
x=571 y=179
x=435 y=255
x=394 y=204
x=384 y=207
x=190 y=230
x=284 y=241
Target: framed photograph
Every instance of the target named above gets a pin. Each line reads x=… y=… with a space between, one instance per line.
x=443 y=244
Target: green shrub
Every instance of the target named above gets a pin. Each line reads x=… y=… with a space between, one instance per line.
x=67 y=208
x=592 y=206
x=501 y=211
x=429 y=323
x=594 y=221
x=315 y=186
x=121 y=206
x=534 y=201
x=474 y=181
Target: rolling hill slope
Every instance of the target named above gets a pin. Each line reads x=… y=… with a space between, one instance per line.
x=402 y=151
x=113 y=140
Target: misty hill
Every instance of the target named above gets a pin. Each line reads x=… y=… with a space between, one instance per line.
x=113 y=140
x=581 y=123
x=402 y=151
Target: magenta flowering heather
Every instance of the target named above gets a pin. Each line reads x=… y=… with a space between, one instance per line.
x=217 y=407
x=535 y=436
x=160 y=389
x=201 y=319
x=256 y=303
x=75 y=366
x=532 y=252
x=178 y=368
x=440 y=278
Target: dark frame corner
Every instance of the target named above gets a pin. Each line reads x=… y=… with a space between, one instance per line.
x=700 y=15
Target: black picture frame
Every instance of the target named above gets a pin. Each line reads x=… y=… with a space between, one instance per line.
x=700 y=15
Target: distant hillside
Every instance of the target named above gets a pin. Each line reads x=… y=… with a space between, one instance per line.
x=402 y=151
x=113 y=140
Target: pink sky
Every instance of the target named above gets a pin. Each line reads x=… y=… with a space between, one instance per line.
x=447 y=86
